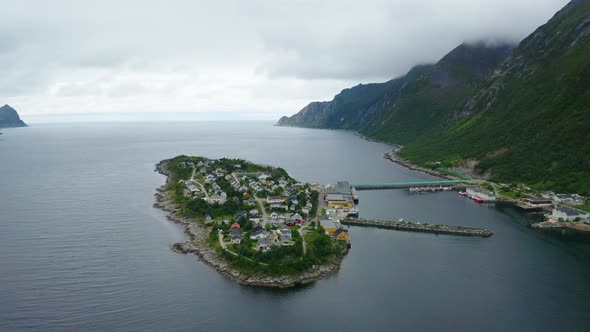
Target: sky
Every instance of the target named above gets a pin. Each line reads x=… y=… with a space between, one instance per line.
x=229 y=58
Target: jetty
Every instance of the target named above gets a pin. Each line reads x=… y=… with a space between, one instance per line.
x=400 y=185
x=416 y=227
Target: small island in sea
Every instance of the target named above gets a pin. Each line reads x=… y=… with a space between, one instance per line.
x=253 y=223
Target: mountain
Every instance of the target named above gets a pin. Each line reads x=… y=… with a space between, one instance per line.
x=404 y=108
x=520 y=115
x=531 y=121
x=9 y=118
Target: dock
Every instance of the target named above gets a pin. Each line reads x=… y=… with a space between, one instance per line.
x=401 y=185
x=416 y=227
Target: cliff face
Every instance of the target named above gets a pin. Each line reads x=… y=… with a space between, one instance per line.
x=9 y=118
x=350 y=109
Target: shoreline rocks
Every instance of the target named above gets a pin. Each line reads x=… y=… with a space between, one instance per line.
x=393 y=157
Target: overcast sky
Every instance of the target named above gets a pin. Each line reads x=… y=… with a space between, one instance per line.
x=260 y=59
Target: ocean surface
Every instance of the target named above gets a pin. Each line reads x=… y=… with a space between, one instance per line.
x=82 y=248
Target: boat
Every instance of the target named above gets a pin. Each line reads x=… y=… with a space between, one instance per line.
x=353 y=213
x=462 y=193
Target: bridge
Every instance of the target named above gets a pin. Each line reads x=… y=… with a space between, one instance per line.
x=399 y=185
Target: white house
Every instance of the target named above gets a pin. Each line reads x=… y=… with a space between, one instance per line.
x=275 y=199
x=217 y=199
x=259 y=234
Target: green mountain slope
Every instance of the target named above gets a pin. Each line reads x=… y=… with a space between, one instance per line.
x=532 y=121
x=387 y=111
x=425 y=103
x=524 y=117
x=9 y=118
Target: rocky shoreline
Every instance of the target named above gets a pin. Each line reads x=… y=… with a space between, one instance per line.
x=197 y=245
x=394 y=157
x=576 y=227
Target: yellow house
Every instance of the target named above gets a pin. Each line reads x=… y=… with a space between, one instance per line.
x=342 y=235
x=335 y=230
x=329 y=226
x=338 y=201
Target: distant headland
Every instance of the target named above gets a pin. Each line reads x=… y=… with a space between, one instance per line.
x=9 y=118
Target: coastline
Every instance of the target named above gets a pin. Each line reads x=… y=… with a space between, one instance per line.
x=197 y=245
x=394 y=158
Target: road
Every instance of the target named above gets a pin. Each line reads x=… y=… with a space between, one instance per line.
x=303 y=240
x=200 y=184
x=262 y=209
x=221 y=242
x=321 y=201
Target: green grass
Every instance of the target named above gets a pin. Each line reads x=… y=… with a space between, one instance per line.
x=585 y=207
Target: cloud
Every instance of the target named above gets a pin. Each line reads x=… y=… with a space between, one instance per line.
x=228 y=55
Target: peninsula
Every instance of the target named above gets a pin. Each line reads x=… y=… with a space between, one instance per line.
x=253 y=223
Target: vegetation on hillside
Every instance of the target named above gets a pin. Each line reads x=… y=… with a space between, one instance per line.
x=521 y=118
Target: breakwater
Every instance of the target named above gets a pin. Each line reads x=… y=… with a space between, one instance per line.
x=415 y=227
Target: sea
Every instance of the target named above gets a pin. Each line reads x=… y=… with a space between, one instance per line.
x=82 y=248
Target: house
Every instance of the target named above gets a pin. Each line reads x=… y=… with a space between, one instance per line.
x=286 y=239
x=236 y=234
x=341 y=234
x=284 y=230
x=253 y=212
x=263 y=244
x=297 y=217
x=568 y=214
x=217 y=199
x=263 y=177
x=274 y=216
x=258 y=233
x=286 y=236
x=275 y=199
x=328 y=225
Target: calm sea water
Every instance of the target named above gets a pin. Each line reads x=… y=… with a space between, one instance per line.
x=81 y=247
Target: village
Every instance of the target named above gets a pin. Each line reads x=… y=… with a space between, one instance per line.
x=256 y=210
